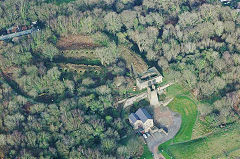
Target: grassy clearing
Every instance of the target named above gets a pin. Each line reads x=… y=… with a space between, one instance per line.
x=185 y=105
x=76 y=42
x=166 y=155
x=209 y=147
x=177 y=90
x=200 y=128
x=224 y=144
x=81 y=53
x=188 y=110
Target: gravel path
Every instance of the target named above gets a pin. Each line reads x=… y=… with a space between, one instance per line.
x=159 y=137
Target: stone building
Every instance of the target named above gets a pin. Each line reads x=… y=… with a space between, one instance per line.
x=141 y=120
x=149 y=78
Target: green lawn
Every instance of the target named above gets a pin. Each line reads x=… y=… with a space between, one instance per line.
x=213 y=146
x=176 y=90
x=188 y=110
x=223 y=144
x=165 y=154
x=184 y=104
x=146 y=153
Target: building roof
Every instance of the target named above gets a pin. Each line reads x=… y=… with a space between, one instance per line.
x=165 y=129
x=225 y=0
x=133 y=117
x=150 y=72
x=143 y=115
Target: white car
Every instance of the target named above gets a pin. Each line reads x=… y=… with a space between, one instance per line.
x=148 y=134
x=145 y=136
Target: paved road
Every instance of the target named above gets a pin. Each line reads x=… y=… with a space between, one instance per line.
x=159 y=137
x=136 y=98
x=10 y=36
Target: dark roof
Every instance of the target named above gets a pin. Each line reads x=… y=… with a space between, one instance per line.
x=133 y=117
x=143 y=115
x=165 y=129
x=151 y=71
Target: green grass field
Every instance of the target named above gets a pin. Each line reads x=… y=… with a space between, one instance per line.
x=185 y=105
x=188 y=110
x=224 y=144
x=177 y=90
x=213 y=146
x=220 y=145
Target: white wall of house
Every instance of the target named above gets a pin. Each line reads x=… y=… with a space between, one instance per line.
x=148 y=125
x=145 y=84
x=137 y=124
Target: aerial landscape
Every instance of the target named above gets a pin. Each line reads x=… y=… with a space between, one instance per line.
x=120 y=79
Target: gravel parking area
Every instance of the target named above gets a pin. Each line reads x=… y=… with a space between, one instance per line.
x=159 y=137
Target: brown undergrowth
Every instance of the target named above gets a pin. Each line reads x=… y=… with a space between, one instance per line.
x=74 y=42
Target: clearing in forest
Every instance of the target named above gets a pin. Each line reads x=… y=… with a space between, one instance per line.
x=222 y=144
x=76 y=48
x=214 y=146
x=185 y=105
x=188 y=110
x=199 y=127
x=75 y=42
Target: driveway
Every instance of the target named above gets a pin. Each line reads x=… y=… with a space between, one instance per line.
x=158 y=138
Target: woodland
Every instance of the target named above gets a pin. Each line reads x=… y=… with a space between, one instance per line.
x=48 y=110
